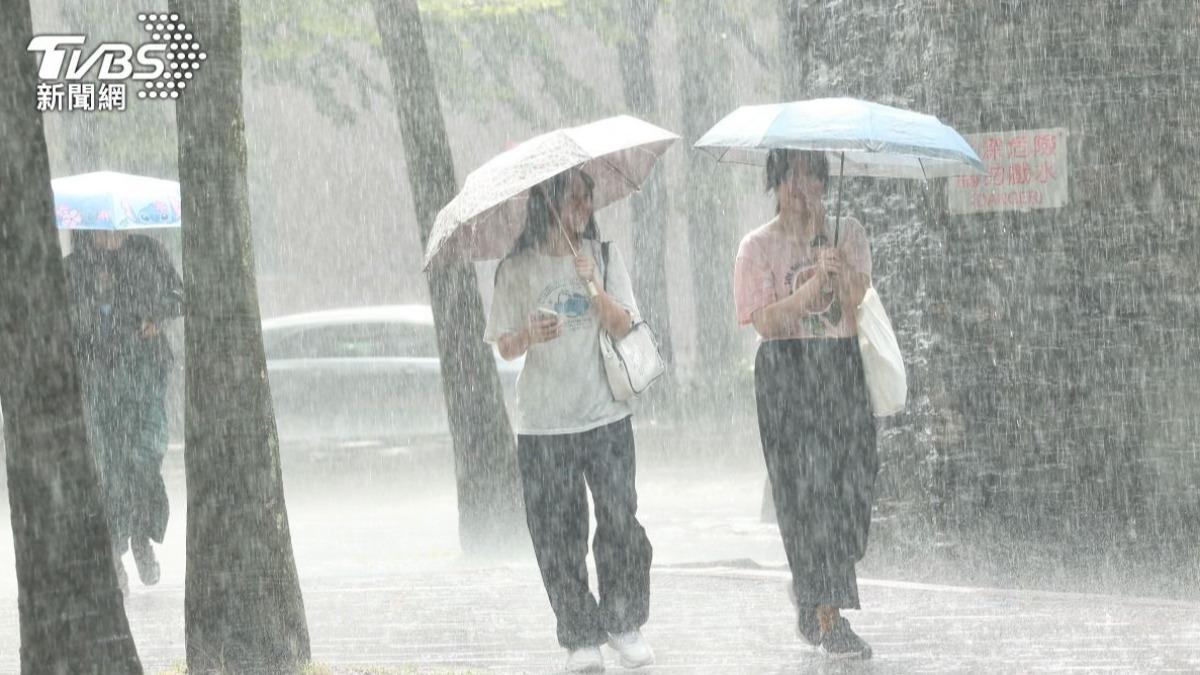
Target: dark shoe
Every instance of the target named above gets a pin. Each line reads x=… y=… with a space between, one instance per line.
x=810 y=626
x=843 y=643
x=147 y=565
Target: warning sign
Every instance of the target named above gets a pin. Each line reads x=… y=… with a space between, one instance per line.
x=1025 y=170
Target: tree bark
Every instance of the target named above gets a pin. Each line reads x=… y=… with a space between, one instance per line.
x=490 y=515
x=71 y=612
x=650 y=205
x=243 y=607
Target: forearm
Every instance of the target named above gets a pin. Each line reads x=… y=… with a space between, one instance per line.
x=613 y=317
x=851 y=290
x=172 y=305
x=165 y=307
x=784 y=316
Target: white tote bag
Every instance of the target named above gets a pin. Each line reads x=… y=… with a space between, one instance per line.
x=632 y=363
x=883 y=365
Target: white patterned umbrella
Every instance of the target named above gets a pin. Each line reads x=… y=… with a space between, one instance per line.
x=485 y=218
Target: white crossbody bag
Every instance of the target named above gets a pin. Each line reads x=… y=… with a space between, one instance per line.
x=632 y=363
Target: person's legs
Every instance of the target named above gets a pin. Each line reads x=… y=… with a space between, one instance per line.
x=848 y=439
x=556 y=512
x=139 y=508
x=808 y=438
x=775 y=385
x=622 y=549
x=149 y=508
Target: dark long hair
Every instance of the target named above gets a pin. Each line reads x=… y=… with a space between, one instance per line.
x=539 y=220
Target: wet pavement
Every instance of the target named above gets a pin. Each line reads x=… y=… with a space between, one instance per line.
x=386 y=591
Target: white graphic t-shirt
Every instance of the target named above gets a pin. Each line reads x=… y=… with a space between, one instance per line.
x=562 y=388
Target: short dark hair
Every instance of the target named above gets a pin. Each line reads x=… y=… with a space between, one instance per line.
x=781 y=160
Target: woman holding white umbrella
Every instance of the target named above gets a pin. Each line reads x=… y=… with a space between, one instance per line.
x=549 y=306
x=560 y=292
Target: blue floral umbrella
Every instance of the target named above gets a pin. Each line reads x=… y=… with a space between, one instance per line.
x=106 y=200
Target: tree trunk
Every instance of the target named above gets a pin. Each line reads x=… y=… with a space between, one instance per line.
x=489 y=502
x=705 y=78
x=243 y=608
x=650 y=205
x=71 y=612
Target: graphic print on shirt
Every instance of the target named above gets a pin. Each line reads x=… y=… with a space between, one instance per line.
x=820 y=323
x=570 y=301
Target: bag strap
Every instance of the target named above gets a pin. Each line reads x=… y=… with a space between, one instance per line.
x=636 y=319
x=604 y=261
x=496 y=274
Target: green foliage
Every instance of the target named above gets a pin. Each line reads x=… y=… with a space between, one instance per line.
x=318 y=47
x=467 y=9
x=483 y=51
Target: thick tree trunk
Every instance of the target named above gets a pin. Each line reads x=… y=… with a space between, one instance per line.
x=243 y=608
x=489 y=502
x=705 y=78
x=71 y=611
x=650 y=205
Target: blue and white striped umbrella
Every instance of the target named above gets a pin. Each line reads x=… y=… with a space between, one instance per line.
x=106 y=200
x=873 y=139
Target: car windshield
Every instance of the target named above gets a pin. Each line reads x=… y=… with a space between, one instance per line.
x=372 y=340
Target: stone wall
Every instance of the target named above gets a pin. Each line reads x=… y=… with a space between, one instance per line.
x=1053 y=353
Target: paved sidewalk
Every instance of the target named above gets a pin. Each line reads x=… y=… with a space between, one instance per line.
x=704 y=620
x=387 y=593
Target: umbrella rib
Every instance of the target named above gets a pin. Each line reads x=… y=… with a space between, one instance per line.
x=633 y=184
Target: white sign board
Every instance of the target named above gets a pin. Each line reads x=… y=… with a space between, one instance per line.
x=1025 y=170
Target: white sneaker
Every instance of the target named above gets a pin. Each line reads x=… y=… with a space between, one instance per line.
x=585 y=660
x=633 y=649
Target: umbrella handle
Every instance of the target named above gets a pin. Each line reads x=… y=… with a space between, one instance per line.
x=591 y=285
x=837 y=228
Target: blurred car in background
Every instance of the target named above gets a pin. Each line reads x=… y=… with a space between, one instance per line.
x=361 y=374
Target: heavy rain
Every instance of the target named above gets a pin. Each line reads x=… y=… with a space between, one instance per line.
x=531 y=336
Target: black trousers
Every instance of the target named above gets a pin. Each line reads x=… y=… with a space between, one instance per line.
x=127 y=428
x=554 y=470
x=818 y=439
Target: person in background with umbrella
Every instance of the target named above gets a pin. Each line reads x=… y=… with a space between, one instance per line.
x=799 y=292
x=552 y=299
x=124 y=288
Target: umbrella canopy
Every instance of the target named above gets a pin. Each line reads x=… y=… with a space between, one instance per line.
x=873 y=139
x=484 y=220
x=106 y=200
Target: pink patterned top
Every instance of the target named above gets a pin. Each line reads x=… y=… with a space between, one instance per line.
x=771 y=266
